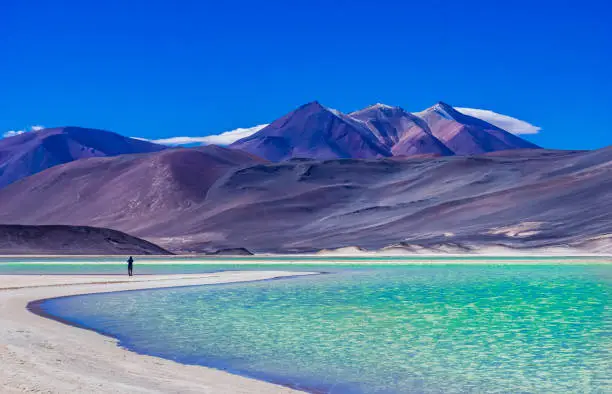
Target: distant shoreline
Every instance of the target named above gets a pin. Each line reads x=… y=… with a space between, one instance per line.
x=306 y=259
x=526 y=254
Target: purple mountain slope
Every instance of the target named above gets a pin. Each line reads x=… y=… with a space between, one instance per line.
x=401 y=132
x=127 y=191
x=372 y=204
x=185 y=201
x=466 y=135
x=316 y=132
x=32 y=152
x=313 y=131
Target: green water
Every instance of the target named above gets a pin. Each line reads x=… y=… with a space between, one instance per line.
x=393 y=329
x=197 y=264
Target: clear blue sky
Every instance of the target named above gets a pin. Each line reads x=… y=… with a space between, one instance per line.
x=163 y=68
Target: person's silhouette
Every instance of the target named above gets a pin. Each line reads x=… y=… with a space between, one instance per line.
x=130 y=262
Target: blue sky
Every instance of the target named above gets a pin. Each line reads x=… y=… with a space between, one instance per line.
x=158 y=69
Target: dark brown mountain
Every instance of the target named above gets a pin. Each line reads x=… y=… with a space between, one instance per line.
x=71 y=240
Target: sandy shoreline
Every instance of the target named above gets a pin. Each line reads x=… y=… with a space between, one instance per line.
x=46 y=356
x=322 y=255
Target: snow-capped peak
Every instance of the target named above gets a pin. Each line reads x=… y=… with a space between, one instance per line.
x=381 y=105
x=442 y=109
x=346 y=118
x=377 y=106
x=334 y=111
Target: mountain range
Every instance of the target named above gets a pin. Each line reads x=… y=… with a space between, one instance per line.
x=317 y=132
x=316 y=179
x=29 y=153
x=311 y=131
x=212 y=198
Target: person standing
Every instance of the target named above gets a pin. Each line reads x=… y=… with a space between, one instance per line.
x=130 y=262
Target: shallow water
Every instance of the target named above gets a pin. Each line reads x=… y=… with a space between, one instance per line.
x=109 y=265
x=392 y=329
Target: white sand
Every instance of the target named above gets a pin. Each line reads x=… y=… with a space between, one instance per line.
x=450 y=251
x=40 y=355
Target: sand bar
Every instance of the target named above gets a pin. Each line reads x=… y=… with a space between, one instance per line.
x=41 y=355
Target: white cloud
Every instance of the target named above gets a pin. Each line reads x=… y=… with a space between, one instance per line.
x=508 y=123
x=225 y=138
x=229 y=137
x=178 y=140
x=12 y=133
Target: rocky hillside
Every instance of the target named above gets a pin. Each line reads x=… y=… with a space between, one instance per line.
x=71 y=240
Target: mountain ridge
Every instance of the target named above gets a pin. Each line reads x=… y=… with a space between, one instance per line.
x=467 y=135
x=32 y=152
x=72 y=240
x=120 y=189
x=313 y=130
x=378 y=130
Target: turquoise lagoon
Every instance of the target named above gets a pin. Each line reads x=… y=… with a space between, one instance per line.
x=198 y=264
x=379 y=329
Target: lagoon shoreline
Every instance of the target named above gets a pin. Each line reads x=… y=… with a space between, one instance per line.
x=41 y=353
x=44 y=353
